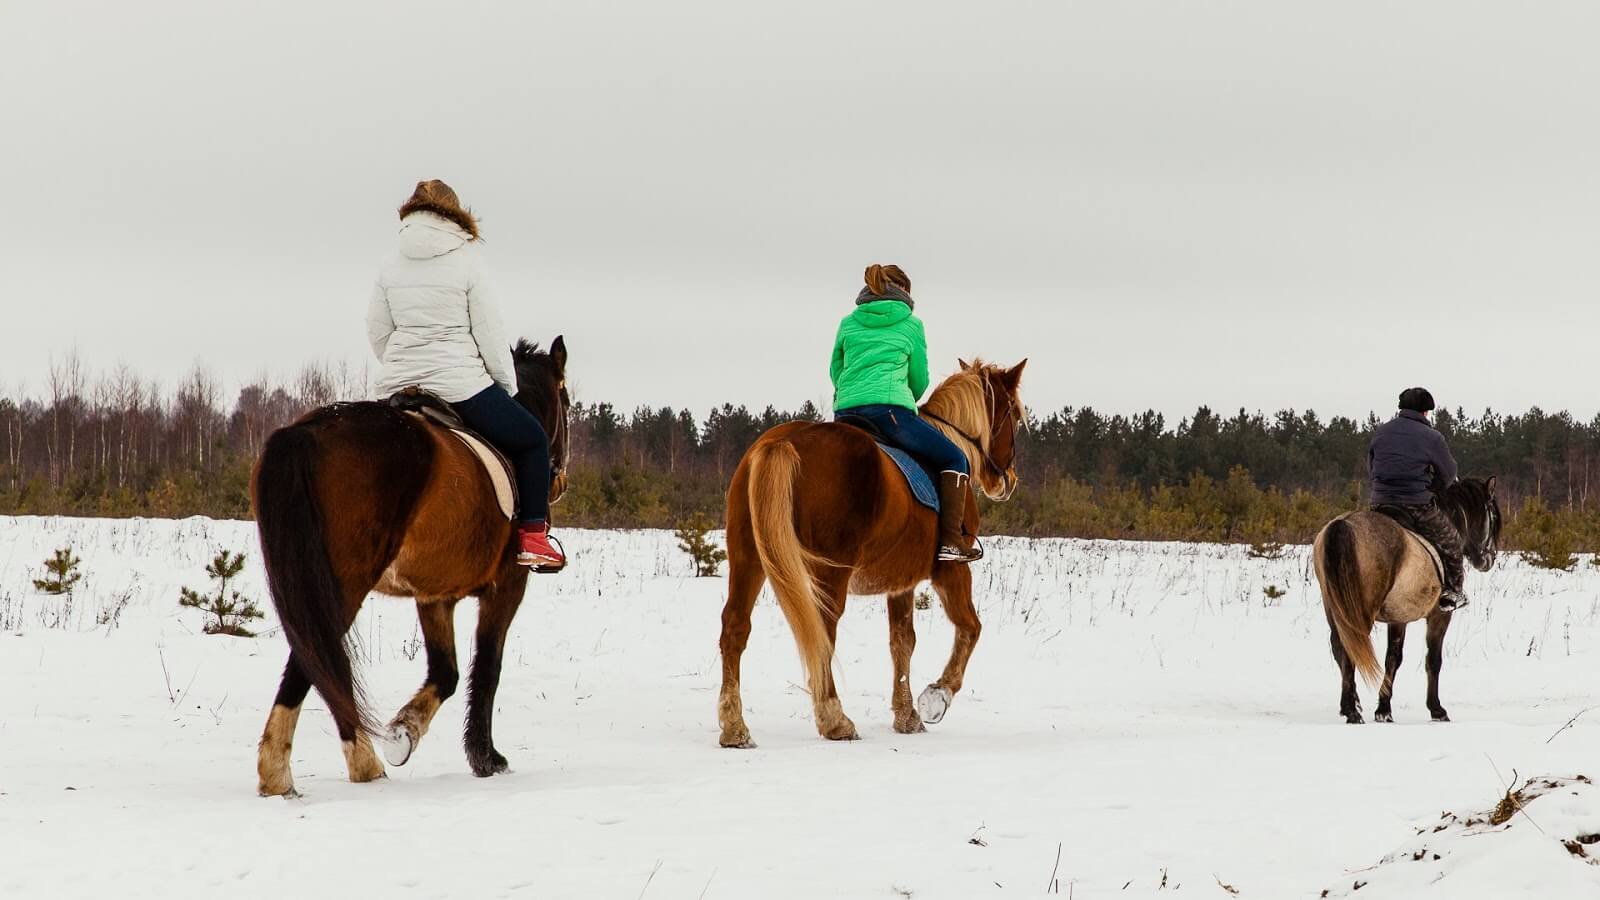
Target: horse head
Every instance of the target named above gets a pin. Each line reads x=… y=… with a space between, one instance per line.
x=1471 y=503
x=542 y=390
x=980 y=409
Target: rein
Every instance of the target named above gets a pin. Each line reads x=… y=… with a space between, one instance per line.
x=976 y=444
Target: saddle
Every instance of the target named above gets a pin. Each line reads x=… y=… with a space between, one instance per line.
x=434 y=410
x=923 y=484
x=1408 y=523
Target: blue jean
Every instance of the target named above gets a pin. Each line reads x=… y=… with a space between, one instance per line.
x=905 y=429
x=514 y=431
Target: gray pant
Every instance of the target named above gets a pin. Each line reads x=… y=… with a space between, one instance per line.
x=1437 y=529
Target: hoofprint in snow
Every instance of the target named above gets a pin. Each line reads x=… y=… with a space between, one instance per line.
x=1139 y=720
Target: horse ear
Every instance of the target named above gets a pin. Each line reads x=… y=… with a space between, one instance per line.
x=558 y=353
x=964 y=366
x=1490 y=485
x=1014 y=374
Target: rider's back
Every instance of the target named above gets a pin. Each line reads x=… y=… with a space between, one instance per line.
x=437 y=330
x=880 y=356
x=1409 y=461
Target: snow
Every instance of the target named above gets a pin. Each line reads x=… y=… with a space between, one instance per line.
x=1135 y=715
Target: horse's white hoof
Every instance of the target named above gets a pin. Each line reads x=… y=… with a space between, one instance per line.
x=397 y=745
x=933 y=703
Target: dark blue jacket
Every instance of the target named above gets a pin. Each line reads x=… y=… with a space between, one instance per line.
x=1408 y=461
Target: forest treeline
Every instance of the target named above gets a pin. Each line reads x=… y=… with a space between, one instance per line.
x=114 y=444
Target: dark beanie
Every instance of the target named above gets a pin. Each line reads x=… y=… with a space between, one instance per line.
x=1416 y=399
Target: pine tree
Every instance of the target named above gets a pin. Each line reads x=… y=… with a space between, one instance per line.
x=61 y=573
x=232 y=610
x=693 y=540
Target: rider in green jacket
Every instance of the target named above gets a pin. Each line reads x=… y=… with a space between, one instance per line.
x=879 y=372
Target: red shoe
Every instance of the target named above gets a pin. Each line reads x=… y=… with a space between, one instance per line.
x=534 y=548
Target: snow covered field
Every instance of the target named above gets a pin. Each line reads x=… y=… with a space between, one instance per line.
x=1139 y=721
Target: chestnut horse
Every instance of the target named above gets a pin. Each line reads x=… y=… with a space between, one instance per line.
x=1372 y=570
x=820 y=512
x=362 y=497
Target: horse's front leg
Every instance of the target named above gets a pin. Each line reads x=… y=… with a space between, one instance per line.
x=953 y=581
x=405 y=731
x=1438 y=624
x=903 y=640
x=497 y=606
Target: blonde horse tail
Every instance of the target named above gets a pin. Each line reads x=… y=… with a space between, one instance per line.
x=1342 y=595
x=774 y=467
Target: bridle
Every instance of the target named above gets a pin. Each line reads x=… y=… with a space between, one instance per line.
x=1005 y=477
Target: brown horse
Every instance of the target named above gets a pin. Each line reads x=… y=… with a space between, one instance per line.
x=1372 y=570
x=362 y=497
x=818 y=510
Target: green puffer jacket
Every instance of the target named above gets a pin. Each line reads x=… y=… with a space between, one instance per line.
x=879 y=356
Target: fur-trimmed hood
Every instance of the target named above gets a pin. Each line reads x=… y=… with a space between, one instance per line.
x=425 y=234
x=462 y=218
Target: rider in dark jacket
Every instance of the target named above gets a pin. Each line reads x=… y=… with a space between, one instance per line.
x=1410 y=464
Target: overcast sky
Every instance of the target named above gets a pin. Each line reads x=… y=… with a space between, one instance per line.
x=1264 y=205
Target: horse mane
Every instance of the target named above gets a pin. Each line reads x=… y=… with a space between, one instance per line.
x=1463 y=501
x=962 y=399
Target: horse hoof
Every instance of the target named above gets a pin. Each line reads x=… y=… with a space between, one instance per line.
x=910 y=726
x=745 y=744
x=489 y=764
x=737 y=739
x=397 y=745
x=933 y=703
x=1355 y=720
x=1383 y=717
x=1441 y=717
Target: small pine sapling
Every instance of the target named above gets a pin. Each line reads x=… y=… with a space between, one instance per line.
x=1274 y=592
x=61 y=573
x=924 y=600
x=1267 y=549
x=693 y=539
x=231 y=609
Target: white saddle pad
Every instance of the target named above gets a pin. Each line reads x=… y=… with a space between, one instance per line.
x=498 y=474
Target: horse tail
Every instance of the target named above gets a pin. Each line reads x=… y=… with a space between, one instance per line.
x=300 y=577
x=774 y=466
x=1342 y=596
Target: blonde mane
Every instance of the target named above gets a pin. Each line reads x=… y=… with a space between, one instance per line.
x=963 y=400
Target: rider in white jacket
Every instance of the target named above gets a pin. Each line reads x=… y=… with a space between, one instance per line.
x=433 y=323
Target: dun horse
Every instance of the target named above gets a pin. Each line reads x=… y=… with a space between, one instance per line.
x=362 y=497
x=820 y=512
x=1372 y=570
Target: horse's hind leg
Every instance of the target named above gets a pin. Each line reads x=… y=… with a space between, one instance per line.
x=1438 y=624
x=744 y=585
x=411 y=722
x=1391 y=665
x=277 y=739
x=832 y=723
x=1349 y=700
x=902 y=641
x=953 y=581
x=497 y=606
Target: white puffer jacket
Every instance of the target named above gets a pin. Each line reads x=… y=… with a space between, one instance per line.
x=432 y=320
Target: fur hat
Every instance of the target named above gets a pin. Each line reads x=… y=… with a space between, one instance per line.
x=1416 y=399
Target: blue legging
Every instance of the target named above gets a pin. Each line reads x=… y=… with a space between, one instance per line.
x=517 y=433
x=905 y=429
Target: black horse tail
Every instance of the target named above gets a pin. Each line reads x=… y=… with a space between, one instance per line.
x=1342 y=595
x=300 y=575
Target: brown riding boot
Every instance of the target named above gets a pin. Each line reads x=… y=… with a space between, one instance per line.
x=952 y=509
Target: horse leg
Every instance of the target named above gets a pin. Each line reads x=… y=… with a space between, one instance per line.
x=744 y=585
x=1438 y=624
x=405 y=731
x=277 y=739
x=954 y=584
x=1391 y=665
x=903 y=640
x=832 y=723
x=1349 y=700
x=497 y=605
